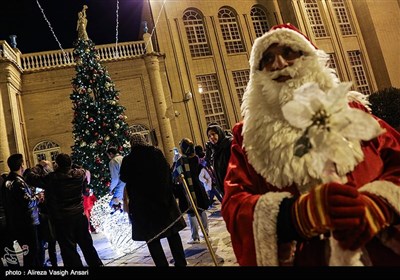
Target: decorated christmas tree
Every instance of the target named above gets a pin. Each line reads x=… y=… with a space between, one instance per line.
x=99 y=121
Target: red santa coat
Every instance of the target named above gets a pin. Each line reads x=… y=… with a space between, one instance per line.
x=252 y=221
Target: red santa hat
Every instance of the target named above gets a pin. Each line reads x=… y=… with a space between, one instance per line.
x=283 y=34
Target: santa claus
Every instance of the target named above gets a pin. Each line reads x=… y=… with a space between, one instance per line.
x=278 y=206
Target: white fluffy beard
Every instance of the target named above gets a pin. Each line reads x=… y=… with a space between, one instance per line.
x=268 y=138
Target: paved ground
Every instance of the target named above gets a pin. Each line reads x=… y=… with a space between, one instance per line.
x=139 y=264
x=197 y=254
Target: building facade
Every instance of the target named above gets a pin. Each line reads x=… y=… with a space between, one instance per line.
x=192 y=69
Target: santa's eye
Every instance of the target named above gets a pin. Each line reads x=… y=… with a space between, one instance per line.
x=267 y=58
x=289 y=54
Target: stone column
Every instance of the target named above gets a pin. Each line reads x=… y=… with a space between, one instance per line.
x=148 y=43
x=153 y=69
x=4 y=145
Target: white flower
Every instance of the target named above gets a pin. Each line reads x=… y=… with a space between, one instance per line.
x=330 y=125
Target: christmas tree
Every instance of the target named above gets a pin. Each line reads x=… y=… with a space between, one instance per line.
x=99 y=121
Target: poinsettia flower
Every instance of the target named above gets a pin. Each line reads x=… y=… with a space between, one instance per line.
x=330 y=126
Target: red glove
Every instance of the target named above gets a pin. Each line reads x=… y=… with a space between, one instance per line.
x=378 y=215
x=328 y=206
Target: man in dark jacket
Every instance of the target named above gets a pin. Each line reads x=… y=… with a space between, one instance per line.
x=6 y=239
x=153 y=211
x=22 y=213
x=64 y=189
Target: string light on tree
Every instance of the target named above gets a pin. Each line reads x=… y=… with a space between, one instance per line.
x=97 y=123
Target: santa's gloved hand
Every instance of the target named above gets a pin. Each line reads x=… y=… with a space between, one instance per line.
x=378 y=215
x=326 y=207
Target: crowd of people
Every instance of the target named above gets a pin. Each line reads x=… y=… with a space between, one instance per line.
x=309 y=177
x=43 y=206
x=56 y=202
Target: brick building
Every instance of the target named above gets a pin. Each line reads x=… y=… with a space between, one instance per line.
x=192 y=70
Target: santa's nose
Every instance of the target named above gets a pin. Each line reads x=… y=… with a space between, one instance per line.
x=279 y=63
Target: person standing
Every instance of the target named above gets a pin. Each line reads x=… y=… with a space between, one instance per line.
x=6 y=238
x=89 y=199
x=206 y=176
x=46 y=232
x=153 y=210
x=188 y=165
x=117 y=186
x=220 y=145
x=22 y=213
x=64 y=195
x=281 y=205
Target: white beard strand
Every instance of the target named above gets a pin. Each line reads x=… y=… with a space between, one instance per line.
x=269 y=139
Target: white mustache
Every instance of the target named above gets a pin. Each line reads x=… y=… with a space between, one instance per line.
x=288 y=71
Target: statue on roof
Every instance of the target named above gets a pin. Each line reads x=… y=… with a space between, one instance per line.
x=82 y=23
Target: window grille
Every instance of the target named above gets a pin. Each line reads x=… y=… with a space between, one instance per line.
x=342 y=17
x=259 y=19
x=358 y=72
x=315 y=19
x=211 y=100
x=240 y=78
x=230 y=31
x=45 y=150
x=196 y=33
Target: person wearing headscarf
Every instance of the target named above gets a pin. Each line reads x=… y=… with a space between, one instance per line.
x=281 y=206
x=188 y=165
x=152 y=207
x=218 y=153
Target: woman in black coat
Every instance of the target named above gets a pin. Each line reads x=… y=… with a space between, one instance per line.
x=152 y=205
x=220 y=145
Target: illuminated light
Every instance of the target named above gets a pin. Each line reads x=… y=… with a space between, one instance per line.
x=116 y=227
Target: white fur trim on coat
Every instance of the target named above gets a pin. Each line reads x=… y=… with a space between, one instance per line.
x=265 y=228
x=385 y=189
x=290 y=37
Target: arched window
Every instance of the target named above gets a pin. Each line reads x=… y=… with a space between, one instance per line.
x=196 y=33
x=150 y=136
x=315 y=18
x=45 y=150
x=342 y=17
x=260 y=20
x=228 y=22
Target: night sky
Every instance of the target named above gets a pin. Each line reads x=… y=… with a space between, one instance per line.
x=25 y=19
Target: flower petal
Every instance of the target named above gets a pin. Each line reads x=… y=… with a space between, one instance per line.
x=362 y=126
x=297 y=114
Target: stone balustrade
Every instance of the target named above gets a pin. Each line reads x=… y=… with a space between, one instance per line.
x=7 y=53
x=54 y=59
